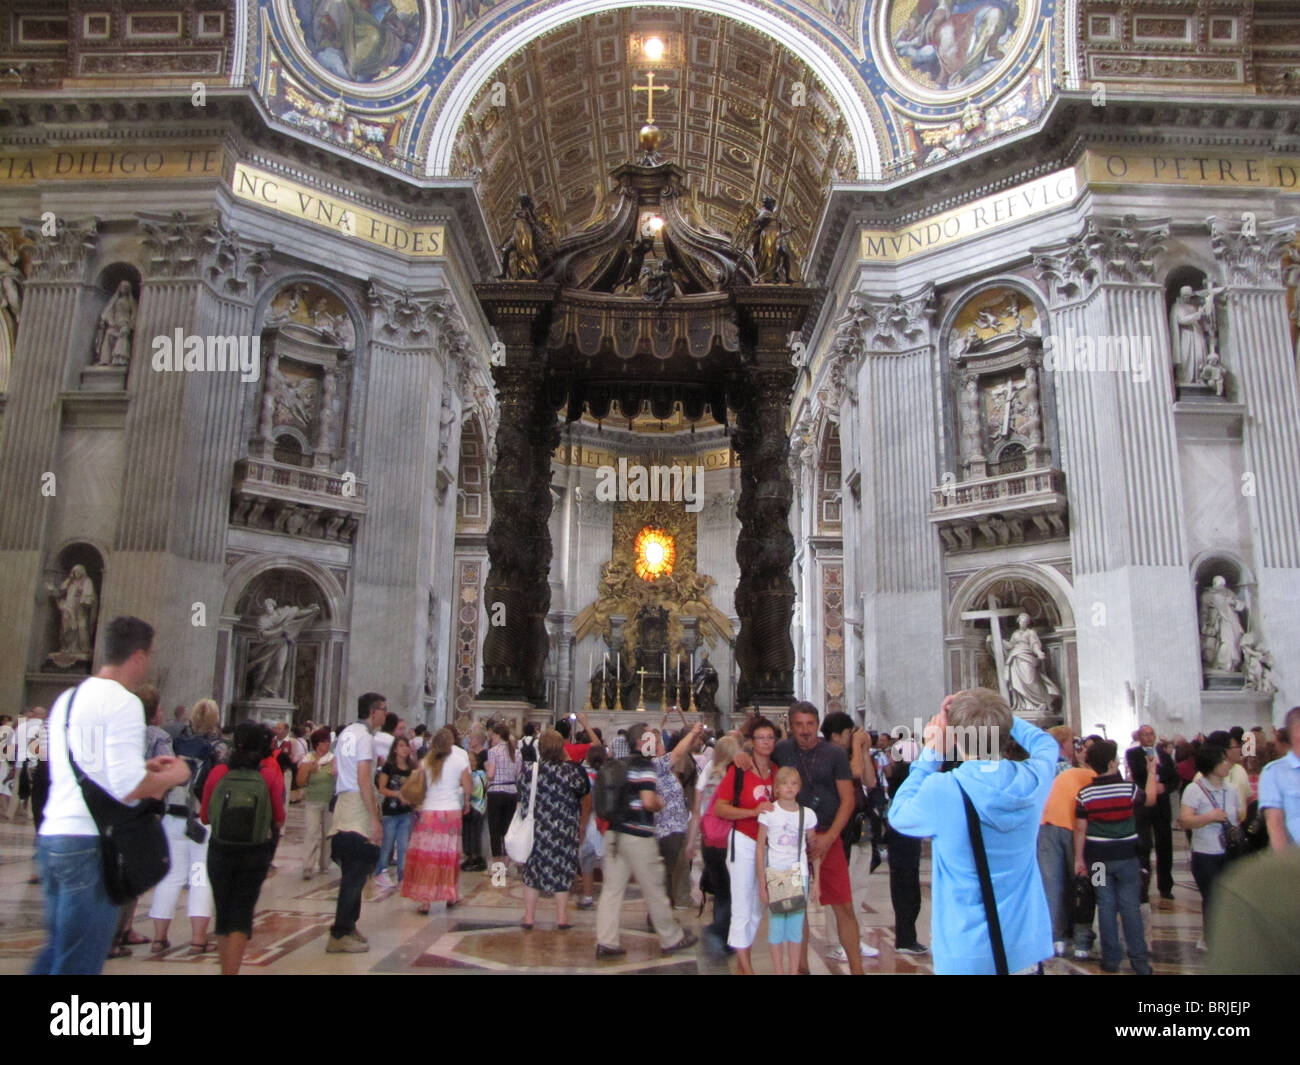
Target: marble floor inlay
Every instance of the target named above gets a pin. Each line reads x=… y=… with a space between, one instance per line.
x=482 y=935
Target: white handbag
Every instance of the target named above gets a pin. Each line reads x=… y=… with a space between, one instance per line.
x=519 y=836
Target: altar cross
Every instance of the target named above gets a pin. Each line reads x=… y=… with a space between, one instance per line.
x=650 y=89
x=993 y=613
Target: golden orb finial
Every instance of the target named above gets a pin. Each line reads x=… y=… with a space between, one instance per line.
x=649 y=137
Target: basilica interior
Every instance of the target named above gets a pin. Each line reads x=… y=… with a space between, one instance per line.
x=524 y=358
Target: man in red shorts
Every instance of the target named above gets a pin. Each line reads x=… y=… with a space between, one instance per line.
x=827 y=789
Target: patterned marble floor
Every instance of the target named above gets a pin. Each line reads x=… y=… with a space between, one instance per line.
x=482 y=934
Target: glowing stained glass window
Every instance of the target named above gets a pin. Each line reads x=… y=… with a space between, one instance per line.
x=656 y=551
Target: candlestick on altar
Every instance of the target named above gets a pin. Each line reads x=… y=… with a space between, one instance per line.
x=618 y=681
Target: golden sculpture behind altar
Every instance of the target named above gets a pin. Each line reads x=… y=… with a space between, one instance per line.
x=683 y=593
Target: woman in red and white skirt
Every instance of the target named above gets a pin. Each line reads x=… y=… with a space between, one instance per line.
x=433 y=860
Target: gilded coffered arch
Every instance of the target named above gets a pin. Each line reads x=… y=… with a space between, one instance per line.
x=742 y=114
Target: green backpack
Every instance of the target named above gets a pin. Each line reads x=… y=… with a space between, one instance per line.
x=240 y=809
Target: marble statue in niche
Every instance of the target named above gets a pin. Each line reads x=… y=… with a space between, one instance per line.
x=1221 y=628
x=278 y=629
x=78 y=607
x=1257 y=665
x=1031 y=689
x=1213 y=374
x=1194 y=331
x=112 y=344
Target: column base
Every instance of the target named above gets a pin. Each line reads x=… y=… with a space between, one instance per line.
x=517 y=712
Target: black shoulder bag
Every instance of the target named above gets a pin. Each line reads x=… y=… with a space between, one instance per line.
x=132 y=845
x=986 y=882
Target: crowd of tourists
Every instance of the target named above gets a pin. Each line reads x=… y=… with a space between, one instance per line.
x=1053 y=835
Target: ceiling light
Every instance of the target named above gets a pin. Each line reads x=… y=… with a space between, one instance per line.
x=653 y=48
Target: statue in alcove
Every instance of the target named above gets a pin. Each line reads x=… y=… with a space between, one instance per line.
x=1030 y=688
x=112 y=346
x=78 y=607
x=1257 y=665
x=278 y=629
x=704 y=685
x=1193 y=330
x=1221 y=628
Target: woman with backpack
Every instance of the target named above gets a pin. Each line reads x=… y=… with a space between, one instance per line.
x=187 y=840
x=243 y=801
x=505 y=764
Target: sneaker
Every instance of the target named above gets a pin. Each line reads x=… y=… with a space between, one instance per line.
x=915 y=948
x=356 y=934
x=345 y=945
x=836 y=953
x=382 y=891
x=603 y=951
x=1082 y=955
x=688 y=940
x=586 y=902
x=1058 y=948
x=383 y=880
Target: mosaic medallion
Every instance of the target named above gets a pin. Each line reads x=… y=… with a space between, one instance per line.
x=940 y=51
x=366 y=47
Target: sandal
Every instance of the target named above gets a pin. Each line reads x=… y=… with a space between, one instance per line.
x=423 y=910
x=158 y=946
x=200 y=948
x=120 y=950
x=132 y=938
x=564 y=927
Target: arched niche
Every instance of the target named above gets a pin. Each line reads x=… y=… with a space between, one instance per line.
x=998 y=400
x=1193 y=310
x=991 y=600
x=72 y=587
x=308 y=608
x=1224 y=614
x=109 y=312
x=308 y=336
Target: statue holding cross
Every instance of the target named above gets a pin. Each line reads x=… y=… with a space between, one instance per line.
x=1020 y=660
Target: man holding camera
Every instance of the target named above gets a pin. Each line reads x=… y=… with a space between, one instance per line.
x=1155 y=824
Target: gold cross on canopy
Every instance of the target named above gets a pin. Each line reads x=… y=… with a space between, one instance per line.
x=650 y=88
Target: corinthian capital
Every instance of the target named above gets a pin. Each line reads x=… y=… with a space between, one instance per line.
x=403 y=318
x=1121 y=250
x=1250 y=253
x=234 y=264
x=177 y=243
x=60 y=250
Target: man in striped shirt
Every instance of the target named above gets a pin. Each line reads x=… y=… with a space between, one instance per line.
x=1105 y=849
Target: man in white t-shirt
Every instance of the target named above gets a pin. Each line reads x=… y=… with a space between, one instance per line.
x=356 y=828
x=106 y=736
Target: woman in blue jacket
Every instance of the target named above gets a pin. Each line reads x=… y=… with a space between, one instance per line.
x=977 y=728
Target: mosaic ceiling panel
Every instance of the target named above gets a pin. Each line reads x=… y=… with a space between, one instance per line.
x=729 y=118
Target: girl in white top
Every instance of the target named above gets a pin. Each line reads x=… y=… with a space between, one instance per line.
x=781 y=848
